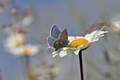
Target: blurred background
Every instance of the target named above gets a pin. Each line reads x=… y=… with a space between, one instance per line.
x=101 y=59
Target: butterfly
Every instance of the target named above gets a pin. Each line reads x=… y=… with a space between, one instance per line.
x=58 y=39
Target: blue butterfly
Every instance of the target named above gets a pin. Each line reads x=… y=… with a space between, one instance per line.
x=58 y=39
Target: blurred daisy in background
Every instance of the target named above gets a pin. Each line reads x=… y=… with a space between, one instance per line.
x=27 y=21
x=17 y=33
x=24 y=50
x=16 y=43
x=64 y=44
x=19 y=27
x=15 y=40
x=27 y=17
x=115 y=23
x=19 y=22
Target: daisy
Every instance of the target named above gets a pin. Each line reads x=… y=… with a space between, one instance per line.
x=77 y=43
x=15 y=40
x=115 y=26
x=25 y=50
x=27 y=20
x=19 y=27
x=115 y=23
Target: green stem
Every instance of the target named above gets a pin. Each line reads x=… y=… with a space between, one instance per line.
x=27 y=68
x=81 y=65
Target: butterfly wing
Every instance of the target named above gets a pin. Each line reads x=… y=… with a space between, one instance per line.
x=51 y=41
x=62 y=41
x=64 y=35
x=55 y=32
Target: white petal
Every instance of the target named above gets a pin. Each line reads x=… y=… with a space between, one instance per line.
x=82 y=47
x=27 y=21
x=63 y=53
x=115 y=22
x=95 y=35
x=18 y=51
x=15 y=51
x=34 y=49
x=55 y=53
x=71 y=38
x=65 y=48
x=14 y=39
x=76 y=52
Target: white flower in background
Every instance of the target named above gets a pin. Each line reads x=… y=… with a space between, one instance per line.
x=15 y=30
x=26 y=50
x=116 y=26
x=19 y=26
x=115 y=23
x=77 y=43
x=15 y=40
x=27 y=20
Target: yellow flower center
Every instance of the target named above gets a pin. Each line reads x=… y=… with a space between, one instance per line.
x=26 y=51
x=18 y=42
x=78 y=42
